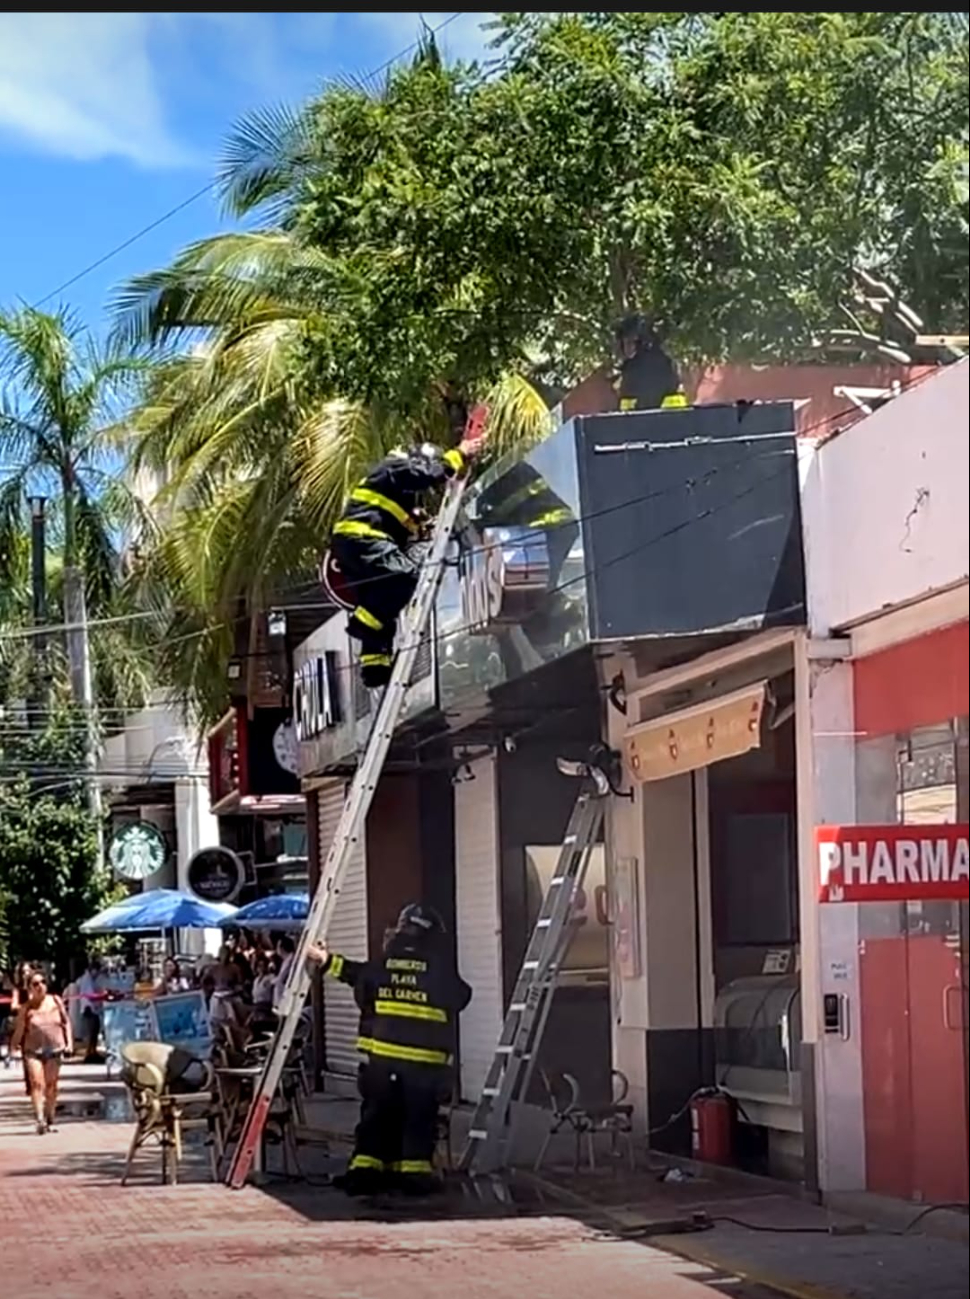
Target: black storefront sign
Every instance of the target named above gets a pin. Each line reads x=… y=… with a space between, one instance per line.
x=316 y=701
x=215 y=874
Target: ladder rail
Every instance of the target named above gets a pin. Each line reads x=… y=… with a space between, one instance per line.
x=347 y=834
x=518 y=1104
x=496 y=1115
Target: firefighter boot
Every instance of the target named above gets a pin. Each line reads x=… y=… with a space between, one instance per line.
x=376 y=660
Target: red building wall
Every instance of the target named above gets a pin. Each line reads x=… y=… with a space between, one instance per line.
x=913 y=985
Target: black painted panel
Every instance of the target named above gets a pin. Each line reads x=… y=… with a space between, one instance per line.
x=691 y=521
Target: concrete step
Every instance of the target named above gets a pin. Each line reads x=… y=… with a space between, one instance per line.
x=87 y=1104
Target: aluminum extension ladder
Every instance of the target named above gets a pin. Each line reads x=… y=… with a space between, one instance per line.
x=348 y=833
x=494 y=1124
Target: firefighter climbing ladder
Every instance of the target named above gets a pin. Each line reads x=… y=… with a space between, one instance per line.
x=347 y=834
x=493 y=1127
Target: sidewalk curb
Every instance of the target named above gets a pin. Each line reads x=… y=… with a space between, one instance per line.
x=682 y=1244
x=709 y=1258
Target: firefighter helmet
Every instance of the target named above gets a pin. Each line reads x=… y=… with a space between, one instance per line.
x=637 y=328
x=417 y=921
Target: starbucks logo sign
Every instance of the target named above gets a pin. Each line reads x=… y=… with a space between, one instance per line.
x=137 y=851
x=215 y=874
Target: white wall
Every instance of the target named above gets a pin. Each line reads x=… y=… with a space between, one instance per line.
x=159 y=746
x=479 y=922
x=885 y=504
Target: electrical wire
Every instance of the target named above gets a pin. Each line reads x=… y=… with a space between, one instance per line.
x=93 y=623
x=640 y=547
x=210 y=187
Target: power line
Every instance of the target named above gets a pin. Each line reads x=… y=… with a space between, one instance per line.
x=637 y=549
x=208 y=187
x=46 y=629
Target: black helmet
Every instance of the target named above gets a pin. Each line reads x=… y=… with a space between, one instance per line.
x=418 y=921
x=636 y=327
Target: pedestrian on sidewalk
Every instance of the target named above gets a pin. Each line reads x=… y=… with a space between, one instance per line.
x=19 y=997
x=92 y=987
x=43 y=1033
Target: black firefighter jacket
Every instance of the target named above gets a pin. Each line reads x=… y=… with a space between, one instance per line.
x=382 y=506
x=409 y=1002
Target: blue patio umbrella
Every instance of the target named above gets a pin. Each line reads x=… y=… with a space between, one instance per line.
x=281 y=911
x=158 y=909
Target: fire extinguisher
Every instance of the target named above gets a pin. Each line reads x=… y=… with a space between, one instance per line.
x=712 y=1120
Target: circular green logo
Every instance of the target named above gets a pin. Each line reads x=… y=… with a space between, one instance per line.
x=137 y=850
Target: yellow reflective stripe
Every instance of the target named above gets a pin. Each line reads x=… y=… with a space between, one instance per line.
x=673 y=401
x=454 y=459
x=352 y=528
x=408 y=1010
x=628 y=403
x=367 y=618
x=336 y=966
x=375 y=660
x=366 y=1161
x=364 y=496
x=411 y=1054
x=420 y=1167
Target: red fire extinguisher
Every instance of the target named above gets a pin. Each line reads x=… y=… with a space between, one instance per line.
x=712 y=1128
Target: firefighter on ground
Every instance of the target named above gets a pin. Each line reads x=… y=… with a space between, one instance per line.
x=648 y=378
x=380 y=520
x=409 y=1005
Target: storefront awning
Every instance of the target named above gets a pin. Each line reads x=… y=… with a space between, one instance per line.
x=697 y=736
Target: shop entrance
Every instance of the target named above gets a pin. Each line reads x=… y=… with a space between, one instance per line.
x=755 y=942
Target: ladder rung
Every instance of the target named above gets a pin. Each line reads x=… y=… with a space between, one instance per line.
x=511 y=1070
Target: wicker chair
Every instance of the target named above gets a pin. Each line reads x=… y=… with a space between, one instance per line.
x=171 y=1092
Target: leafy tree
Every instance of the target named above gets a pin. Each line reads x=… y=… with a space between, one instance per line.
x=468 y=232
x=62 y=399
x=49 y=879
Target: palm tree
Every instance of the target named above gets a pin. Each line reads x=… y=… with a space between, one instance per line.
x=255 y=426
x=62 y=399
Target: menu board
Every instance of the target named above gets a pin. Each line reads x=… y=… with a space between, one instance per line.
x=126 y=1021
x=183 y=1021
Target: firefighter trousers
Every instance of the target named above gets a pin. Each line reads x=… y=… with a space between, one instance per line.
x=397 y=1132
x=381 y=578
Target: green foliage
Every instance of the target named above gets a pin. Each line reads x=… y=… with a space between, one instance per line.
x=454 y=234
x=49 y=880
x=62 y=401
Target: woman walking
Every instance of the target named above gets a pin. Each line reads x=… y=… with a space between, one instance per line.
x=43 y=1033
x=18 y=998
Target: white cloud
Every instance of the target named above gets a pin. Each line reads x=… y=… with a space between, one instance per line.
x=96 y=85
x=83 y=86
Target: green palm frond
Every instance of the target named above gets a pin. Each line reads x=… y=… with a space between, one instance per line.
x=518 y=416
x=267 y=152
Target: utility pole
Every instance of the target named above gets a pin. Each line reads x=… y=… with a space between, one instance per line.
x=82 y=687
x=38 y=571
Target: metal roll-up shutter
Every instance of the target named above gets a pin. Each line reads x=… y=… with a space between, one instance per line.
x=479 y=921
x=347 y=935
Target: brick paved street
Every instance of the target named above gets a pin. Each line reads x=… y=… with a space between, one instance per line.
x=73 y=1232
x=99 y=1240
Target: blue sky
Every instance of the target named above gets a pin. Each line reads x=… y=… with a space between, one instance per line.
x=107 y=121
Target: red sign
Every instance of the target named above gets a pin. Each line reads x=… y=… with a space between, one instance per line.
x=892 y=863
